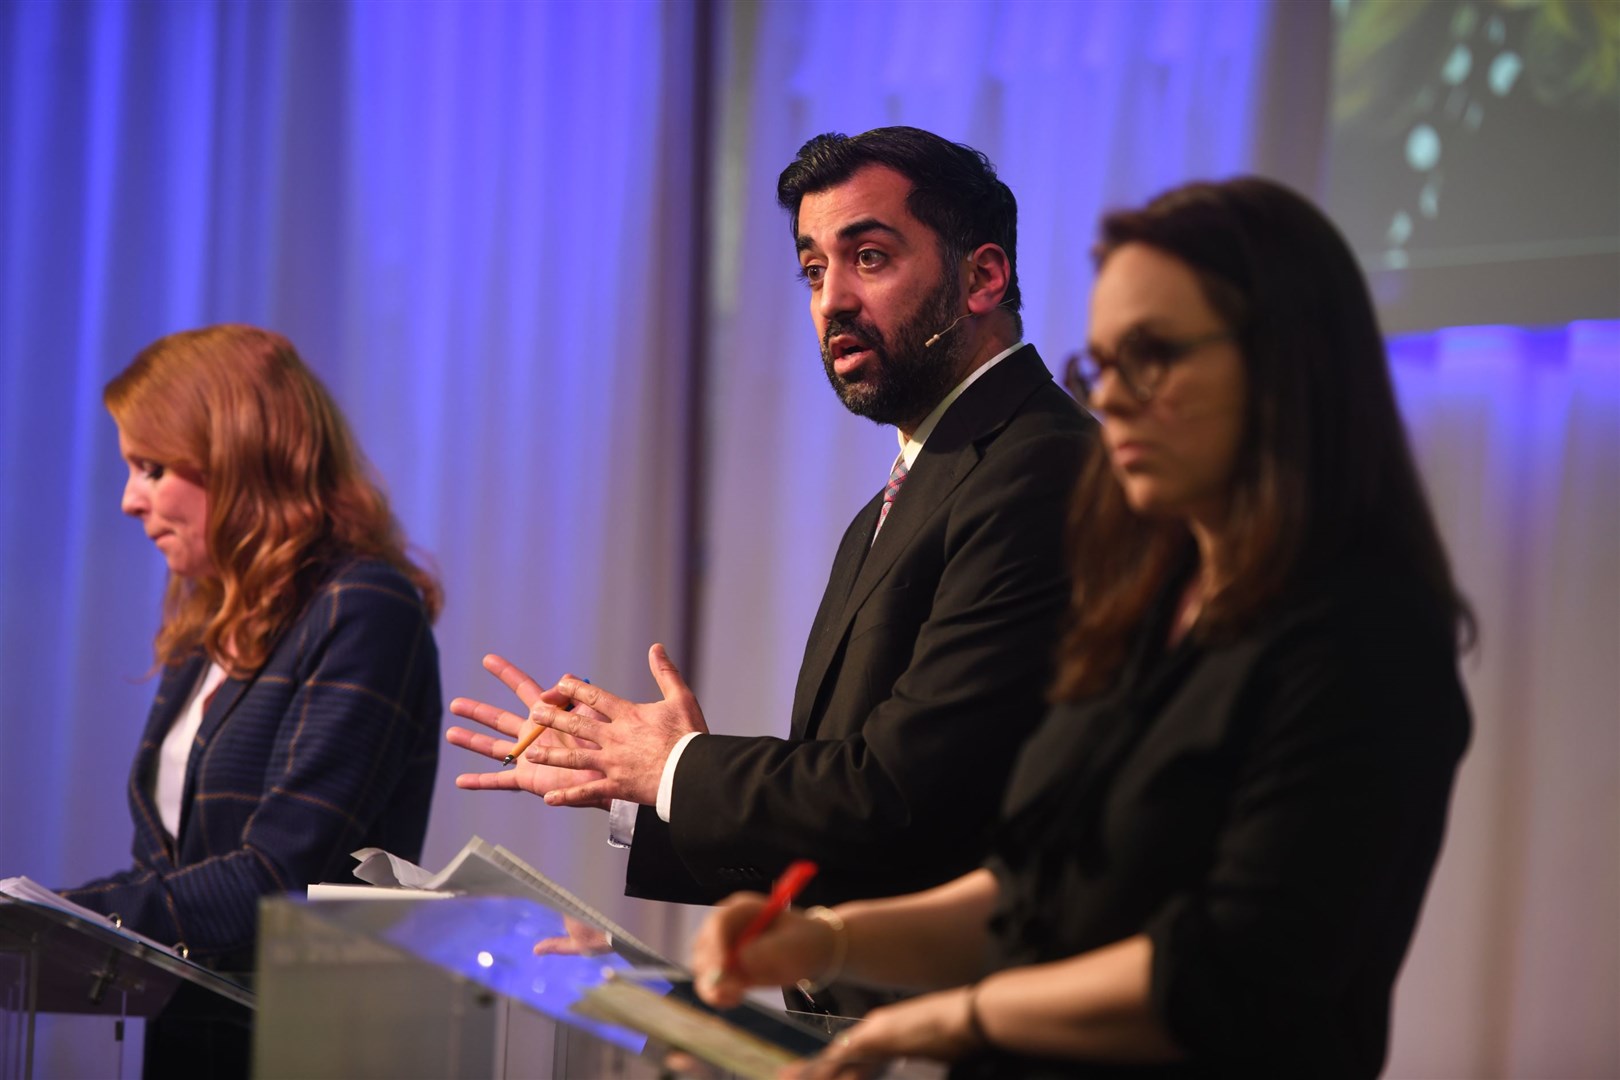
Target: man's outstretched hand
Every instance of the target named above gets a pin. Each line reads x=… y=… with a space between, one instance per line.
x=618 y=748
x=524 y=774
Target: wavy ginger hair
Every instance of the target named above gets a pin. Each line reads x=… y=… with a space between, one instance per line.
x=234 y=409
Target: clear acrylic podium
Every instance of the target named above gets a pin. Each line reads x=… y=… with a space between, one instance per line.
x=431 y=987
x=54 y=961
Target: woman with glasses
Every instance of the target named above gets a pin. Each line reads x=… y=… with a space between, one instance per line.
x=1213 y=853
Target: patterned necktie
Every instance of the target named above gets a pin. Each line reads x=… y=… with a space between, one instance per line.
x=897 y=476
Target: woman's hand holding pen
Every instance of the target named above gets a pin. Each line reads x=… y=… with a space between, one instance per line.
x=793 y=947
x=525 y=775
x=732 y=953
x=796 y=947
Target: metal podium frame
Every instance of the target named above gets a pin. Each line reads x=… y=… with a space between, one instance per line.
x=55 y=961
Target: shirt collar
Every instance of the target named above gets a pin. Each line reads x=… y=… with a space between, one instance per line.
x=910 y=448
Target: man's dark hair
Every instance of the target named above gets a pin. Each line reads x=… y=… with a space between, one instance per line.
x=954 y=189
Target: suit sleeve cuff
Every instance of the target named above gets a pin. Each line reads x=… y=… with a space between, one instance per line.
x=666 y=782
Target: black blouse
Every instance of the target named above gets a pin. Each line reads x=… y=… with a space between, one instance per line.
x=1267 y=810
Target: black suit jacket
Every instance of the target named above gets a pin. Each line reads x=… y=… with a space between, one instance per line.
x=1266 y=808
x=331 y=746
x=924 y=672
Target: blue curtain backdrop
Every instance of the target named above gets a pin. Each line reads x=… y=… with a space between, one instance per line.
x=512 y=236
x=469 y=218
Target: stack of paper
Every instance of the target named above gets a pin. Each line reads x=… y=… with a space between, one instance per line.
x=26 y=889
x=484 y=868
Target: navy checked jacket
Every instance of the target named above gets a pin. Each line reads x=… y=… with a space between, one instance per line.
x=331 y=746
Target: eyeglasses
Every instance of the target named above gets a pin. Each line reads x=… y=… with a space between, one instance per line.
x=1141 y=360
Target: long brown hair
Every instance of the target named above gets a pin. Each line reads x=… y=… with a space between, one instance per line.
x=236 y=410
x=1324 y=474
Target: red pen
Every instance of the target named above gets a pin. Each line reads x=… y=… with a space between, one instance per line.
x=788 y=886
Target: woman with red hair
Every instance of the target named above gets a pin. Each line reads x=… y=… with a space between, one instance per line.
x=297 y=715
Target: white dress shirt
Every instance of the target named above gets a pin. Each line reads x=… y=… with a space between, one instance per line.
x=170 y=783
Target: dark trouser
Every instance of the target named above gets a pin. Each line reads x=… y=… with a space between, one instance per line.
x=198 y=1034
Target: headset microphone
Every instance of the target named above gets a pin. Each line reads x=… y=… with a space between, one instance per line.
x=929 y=344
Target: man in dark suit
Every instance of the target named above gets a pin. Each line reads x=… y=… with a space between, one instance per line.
x=929 y=658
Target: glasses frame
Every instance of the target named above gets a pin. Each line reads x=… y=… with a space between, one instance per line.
x=1131 y=372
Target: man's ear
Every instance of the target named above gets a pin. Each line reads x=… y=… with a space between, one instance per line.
x=989 y=273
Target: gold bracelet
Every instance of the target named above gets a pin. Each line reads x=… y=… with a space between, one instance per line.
x=840 y=950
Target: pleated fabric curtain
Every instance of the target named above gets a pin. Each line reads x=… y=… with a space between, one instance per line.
x=1514 y=971
x=513 y=237
x=462 y=216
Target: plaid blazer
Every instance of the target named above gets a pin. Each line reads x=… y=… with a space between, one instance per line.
x=331 y=746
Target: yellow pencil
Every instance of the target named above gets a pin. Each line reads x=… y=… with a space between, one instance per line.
x=523 y=744
x=528 y=740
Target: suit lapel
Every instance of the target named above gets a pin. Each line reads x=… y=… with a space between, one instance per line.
x=947 y=458
x=231 y=692
x=823 y=643
x=226 y=698
x=171 y=698
x=932 y=478
x=173 y=690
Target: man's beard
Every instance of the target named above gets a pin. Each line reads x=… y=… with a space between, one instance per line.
x=905 y=379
